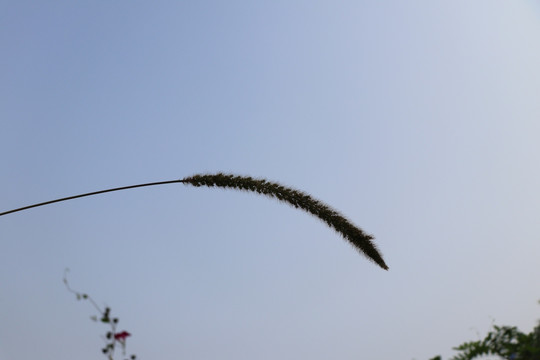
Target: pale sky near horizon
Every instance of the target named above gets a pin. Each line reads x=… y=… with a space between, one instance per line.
x=419 y=121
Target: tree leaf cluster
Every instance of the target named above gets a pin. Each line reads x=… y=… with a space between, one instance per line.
x=505 y=342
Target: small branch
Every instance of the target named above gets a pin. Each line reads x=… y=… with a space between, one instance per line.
x=80 y=295
x=112 y=336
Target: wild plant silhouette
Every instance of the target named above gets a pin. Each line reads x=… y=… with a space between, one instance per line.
x=356 y=236
x=112 y=337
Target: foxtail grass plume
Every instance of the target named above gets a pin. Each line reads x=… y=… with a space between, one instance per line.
x=356 y=236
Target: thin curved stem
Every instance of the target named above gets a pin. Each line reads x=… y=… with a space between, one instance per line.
x=90 y=194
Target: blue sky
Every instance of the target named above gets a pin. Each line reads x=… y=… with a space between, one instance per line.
x=418 y=120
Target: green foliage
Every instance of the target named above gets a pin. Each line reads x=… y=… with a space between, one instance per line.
x=356 y=236
x=506 y=342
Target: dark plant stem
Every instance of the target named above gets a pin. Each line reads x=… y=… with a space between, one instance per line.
x=90 y=194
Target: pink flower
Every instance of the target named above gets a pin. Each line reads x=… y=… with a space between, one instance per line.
x=121 y=336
